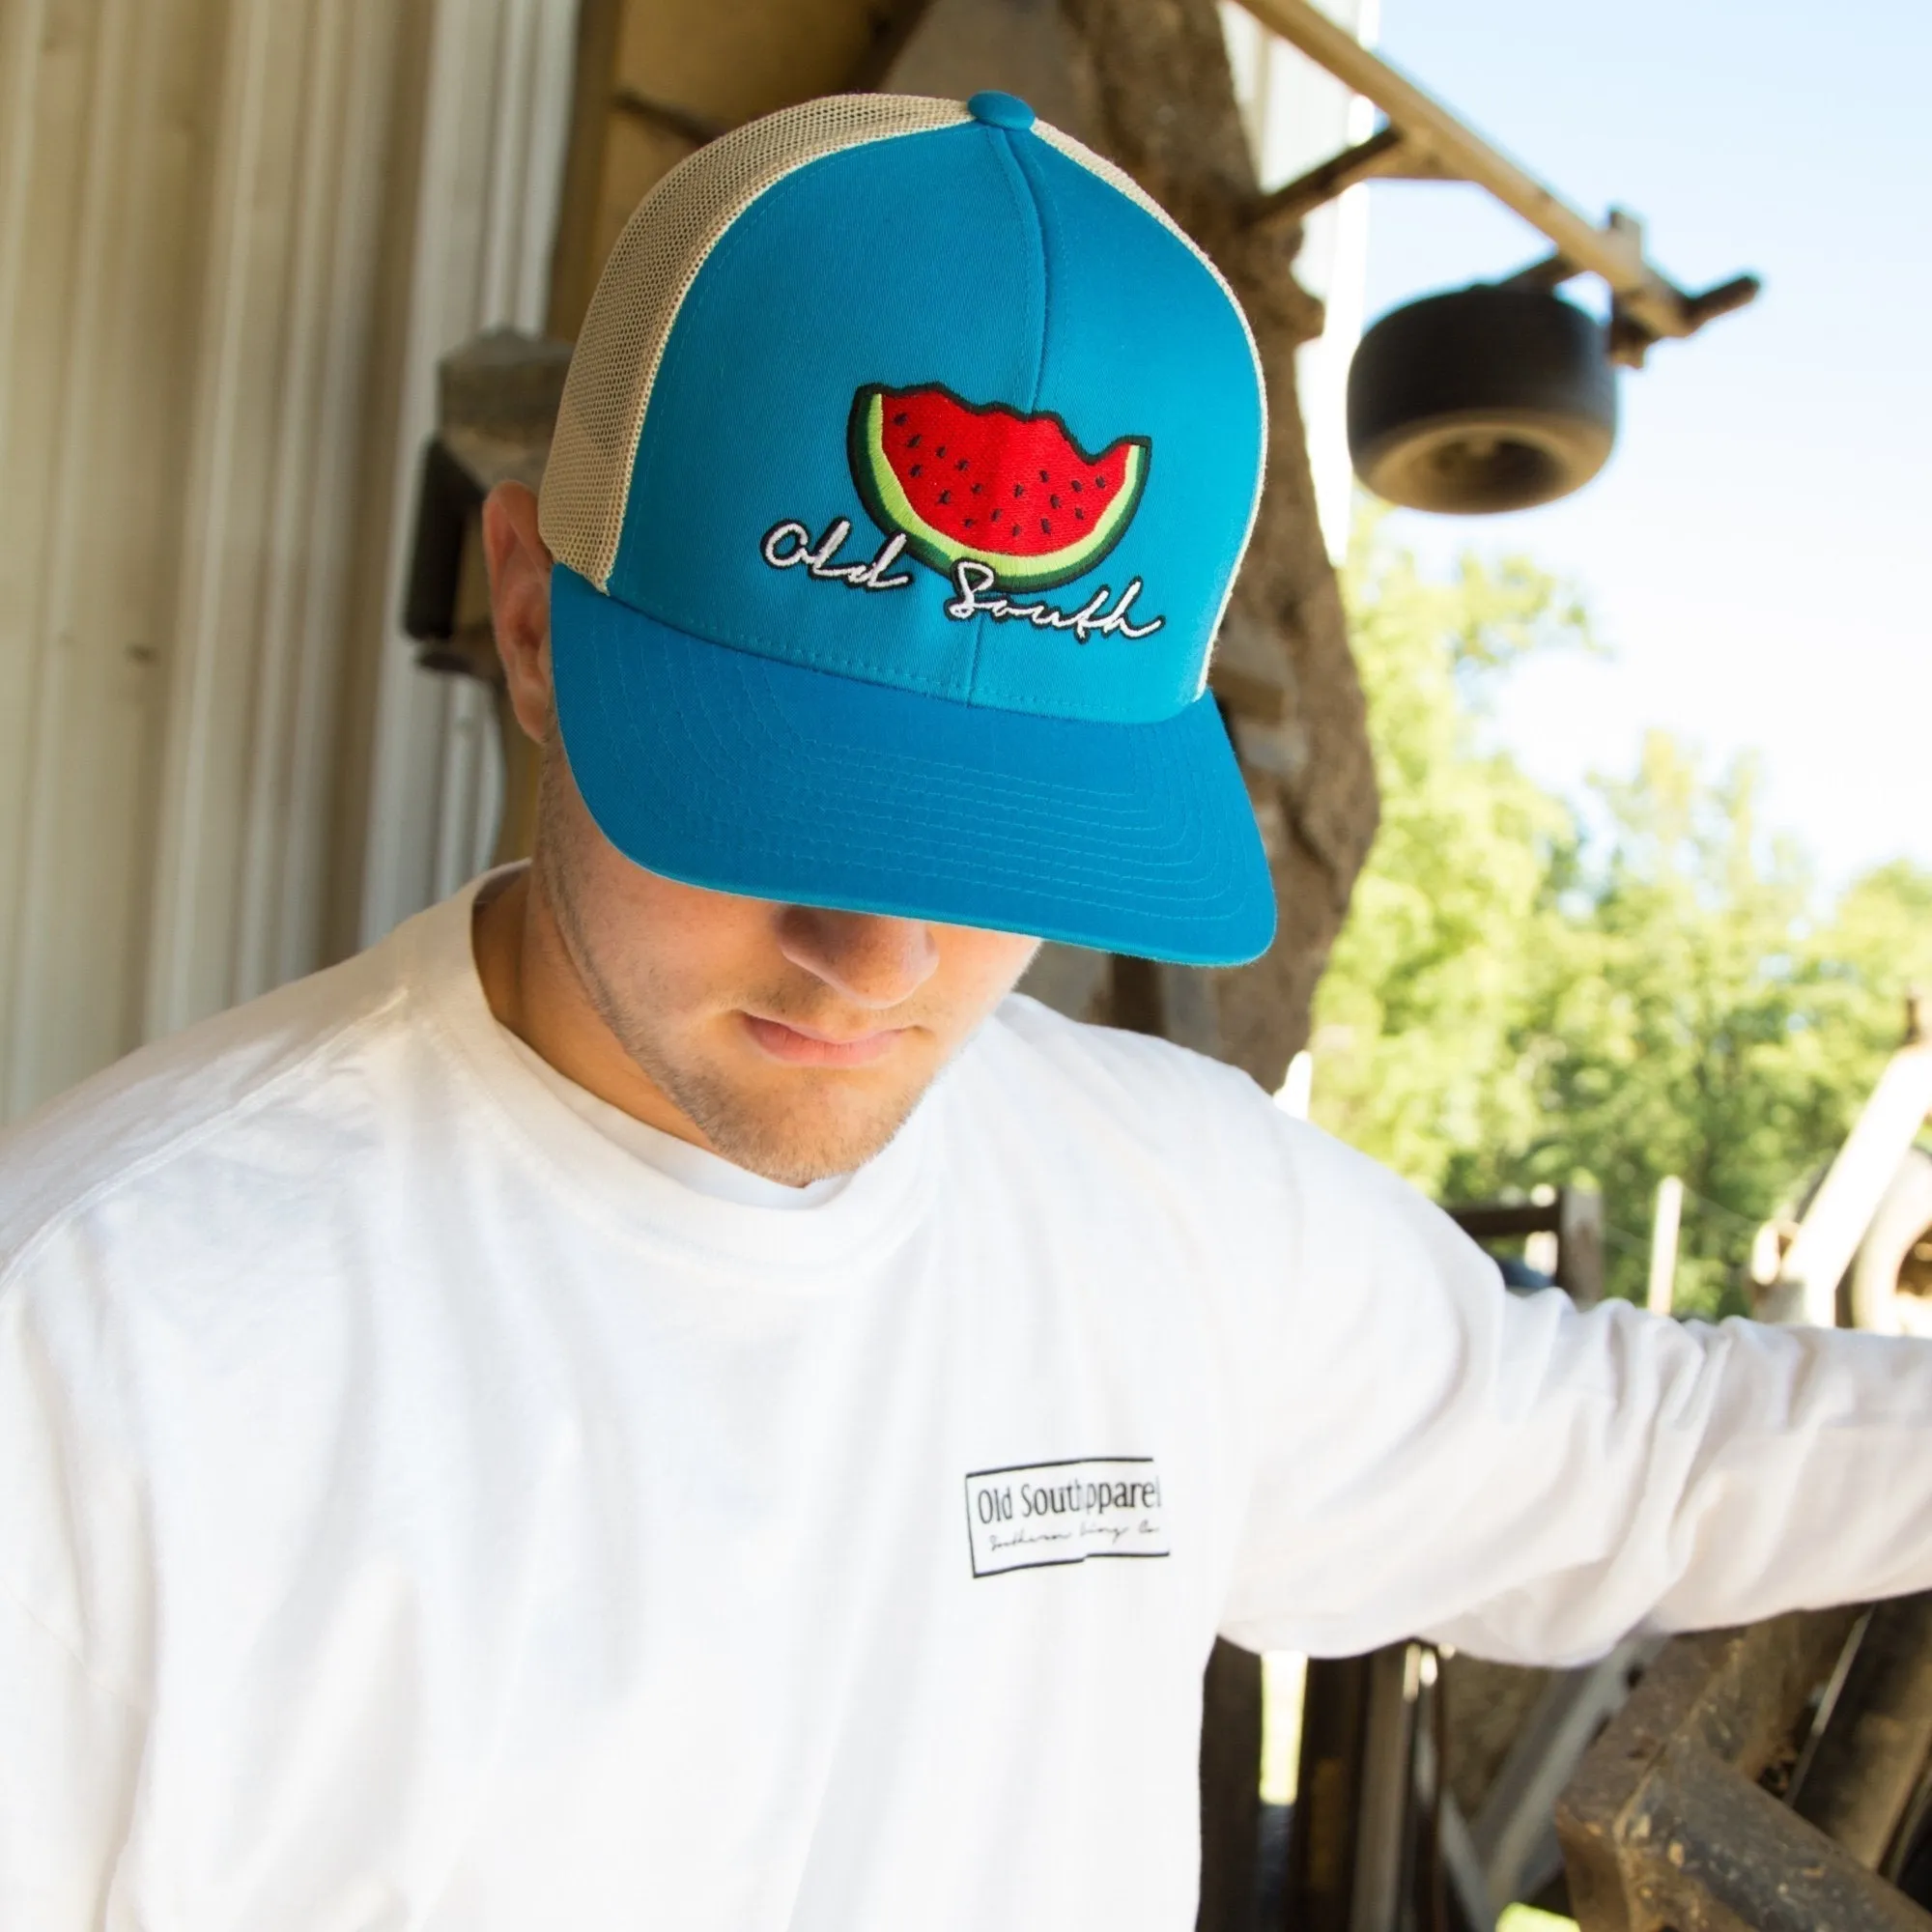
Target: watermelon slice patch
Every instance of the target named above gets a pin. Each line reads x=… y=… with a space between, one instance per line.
x=1012 y=492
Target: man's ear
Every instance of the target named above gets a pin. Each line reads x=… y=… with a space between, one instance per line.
x=519 y=562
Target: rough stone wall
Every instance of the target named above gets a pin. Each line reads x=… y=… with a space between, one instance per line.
x=1158 y=98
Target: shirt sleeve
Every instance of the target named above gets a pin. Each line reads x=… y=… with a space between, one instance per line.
x=76 y=1609
x=70 y=1749
x=1531 y=1481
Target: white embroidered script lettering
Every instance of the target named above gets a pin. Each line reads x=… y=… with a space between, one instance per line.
x=973 y=580
x=790 y=544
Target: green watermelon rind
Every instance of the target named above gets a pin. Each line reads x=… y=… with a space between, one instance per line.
x=886 y=504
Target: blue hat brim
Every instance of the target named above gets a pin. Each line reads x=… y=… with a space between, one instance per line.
x=722 y=769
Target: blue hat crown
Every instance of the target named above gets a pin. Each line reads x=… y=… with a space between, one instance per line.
x=906 y=460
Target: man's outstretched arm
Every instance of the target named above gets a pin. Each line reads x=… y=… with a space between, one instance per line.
x=1531 y=1481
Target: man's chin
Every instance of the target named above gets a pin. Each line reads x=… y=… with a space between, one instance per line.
x=796 y=1139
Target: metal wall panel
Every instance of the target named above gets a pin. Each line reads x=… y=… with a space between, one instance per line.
x=496 y=127
x=305 y=140
x=234 y=234
x=105 y=132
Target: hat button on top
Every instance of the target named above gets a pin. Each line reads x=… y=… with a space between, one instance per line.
x=1001 y=110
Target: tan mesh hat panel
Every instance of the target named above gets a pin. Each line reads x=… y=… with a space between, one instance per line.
x=644 y=284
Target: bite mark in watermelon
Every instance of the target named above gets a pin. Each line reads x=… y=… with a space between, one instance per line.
x=1012 y=492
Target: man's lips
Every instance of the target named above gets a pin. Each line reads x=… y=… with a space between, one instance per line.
x=801 y=1046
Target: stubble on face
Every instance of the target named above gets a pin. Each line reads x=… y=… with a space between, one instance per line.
x=671 y=972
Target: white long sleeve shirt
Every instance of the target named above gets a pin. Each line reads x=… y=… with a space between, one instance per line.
x=419 y=1508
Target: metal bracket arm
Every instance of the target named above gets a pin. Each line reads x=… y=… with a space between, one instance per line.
x=1425 y=141
x=1387 y=154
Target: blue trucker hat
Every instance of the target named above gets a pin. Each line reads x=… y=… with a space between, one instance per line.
x=906 y=458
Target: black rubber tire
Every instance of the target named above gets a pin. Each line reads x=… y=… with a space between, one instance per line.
x=1901 y=1224
x=1482 y=400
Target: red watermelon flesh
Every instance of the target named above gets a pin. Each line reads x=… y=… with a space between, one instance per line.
x=1017 y=491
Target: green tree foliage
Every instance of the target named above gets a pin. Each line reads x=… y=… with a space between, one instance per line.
x=1515 y=1000
x=1420 y=1008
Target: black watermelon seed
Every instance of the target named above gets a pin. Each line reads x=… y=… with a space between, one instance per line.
x=1079 y=516
x=976 y=488
x=994 y=517
x=1099 y=482
x=969 y=522
x=1019 y=489
x=1076 y=483
x=1047 y=526
x=946 y=496
x=940 y=451
x=1043 y=476
x=963 y=463
x=916 y=468
x=901 y=417
x=1055 y=502
x=912 y=441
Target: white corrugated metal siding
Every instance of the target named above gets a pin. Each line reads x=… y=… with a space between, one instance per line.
x=234 y=235
x=498 y=119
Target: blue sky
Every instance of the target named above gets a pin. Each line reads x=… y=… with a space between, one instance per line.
x=1755 y=552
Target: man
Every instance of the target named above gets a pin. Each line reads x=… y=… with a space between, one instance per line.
x=658 y=1395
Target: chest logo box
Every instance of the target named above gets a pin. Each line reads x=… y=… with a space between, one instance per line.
x=1036 y=1516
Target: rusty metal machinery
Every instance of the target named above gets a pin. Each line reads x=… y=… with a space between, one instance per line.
x=1768 y=1780
x=1776 y=1779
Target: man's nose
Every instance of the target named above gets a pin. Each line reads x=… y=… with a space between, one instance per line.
x=871 y=960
